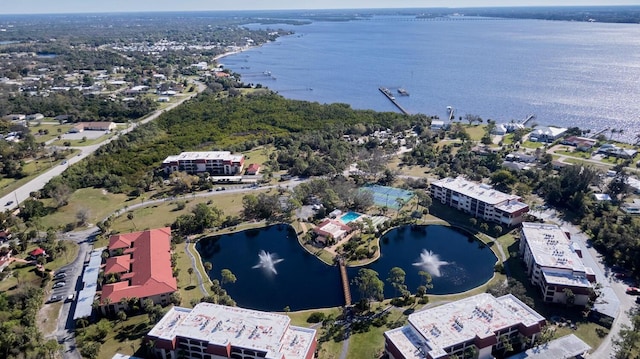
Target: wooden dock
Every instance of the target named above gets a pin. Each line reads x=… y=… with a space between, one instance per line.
x=345 y=283
x=388 y=95
x=529 y=118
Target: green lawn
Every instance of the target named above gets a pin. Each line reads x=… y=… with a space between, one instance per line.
x=126 y=337
x=87 y=142
x=475 y=131
x=54 y=131
x=258 y=155
x=97 y=202
x=532 y=145
x=165 y=213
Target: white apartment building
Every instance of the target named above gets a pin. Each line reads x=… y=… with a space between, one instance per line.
x=554 y=264
x=214 y=162
x=212 y=331
x=468 y=328
x=479 y=200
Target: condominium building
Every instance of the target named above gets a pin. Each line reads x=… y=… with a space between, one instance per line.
x=554 y=264
x=212 y=331
x=473 y=327
x=213 y=162
x=480 y=200
x=140 y=264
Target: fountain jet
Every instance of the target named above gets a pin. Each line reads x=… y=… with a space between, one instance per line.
x=430 y=262
x=267 y=262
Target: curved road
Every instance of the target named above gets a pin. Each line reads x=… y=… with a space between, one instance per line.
x=22 y=193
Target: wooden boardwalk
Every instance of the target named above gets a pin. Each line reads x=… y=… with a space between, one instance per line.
x=345 y=283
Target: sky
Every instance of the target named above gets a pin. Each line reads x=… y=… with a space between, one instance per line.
x=94 y=6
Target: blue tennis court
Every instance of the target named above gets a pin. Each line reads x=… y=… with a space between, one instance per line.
x=384 y=196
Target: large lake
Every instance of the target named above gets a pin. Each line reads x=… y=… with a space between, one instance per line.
x=566 y=73
x=304 y=282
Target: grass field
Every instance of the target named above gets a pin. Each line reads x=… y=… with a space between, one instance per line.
x=165 y=213
x=126 y=337
x=54 y=131
x=97 y=202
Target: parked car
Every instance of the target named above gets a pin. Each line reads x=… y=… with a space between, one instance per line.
x=59 y=285
x=60 y=276
x=8 y=203
x=70 y=297
x=633 y=291
x=55 y=298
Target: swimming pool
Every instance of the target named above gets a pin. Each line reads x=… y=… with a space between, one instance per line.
x=350 y=217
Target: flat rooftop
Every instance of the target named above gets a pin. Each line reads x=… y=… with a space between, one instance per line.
x=245 y=328
x=479 y=316
x=565 y=278
x=550 y=247
x=84 y=302
x=481 y=192
x=204 y=155
x=565 y=347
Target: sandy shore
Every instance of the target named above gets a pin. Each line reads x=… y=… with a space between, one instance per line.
x=244 y=48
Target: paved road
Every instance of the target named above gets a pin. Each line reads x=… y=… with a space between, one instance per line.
x=66 y=326
x=36 y=184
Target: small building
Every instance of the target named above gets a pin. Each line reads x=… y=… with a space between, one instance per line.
x=580 y=143
x=37 y=253
x=499 y=130
x=137 y=89
x=521 y=157
x=15 y=117
x=438 y=125
x=602 y=197
x=93 y=126
x=163 y=99
x=331 y=228
x=35 y=117
x=212 y=331
x=253 y=169
x=468 y=328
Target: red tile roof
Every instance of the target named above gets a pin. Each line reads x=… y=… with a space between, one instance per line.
x=119 y=264
x=150 y=259
x=36 y=252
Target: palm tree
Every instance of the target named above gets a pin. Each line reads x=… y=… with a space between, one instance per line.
x=190 y=271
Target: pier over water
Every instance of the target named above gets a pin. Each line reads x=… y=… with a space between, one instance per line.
x=385 y=91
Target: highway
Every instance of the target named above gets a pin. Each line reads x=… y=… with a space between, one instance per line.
x=13 y=199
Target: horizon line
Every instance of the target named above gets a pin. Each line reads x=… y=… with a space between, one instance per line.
x=316 y=9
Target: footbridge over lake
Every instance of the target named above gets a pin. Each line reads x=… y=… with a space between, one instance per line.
x=345 y=282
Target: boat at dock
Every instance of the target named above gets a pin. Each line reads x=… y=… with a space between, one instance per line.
x=387 y=92
x=403 y=92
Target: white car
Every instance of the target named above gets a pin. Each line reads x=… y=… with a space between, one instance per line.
x=59 y=285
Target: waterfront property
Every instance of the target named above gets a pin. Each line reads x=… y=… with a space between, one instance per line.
x=211 y=331
x=480 y=200
x=473 y=327
x=554 y=264
x=213 y=162
x=140 y=262
x=546 y=134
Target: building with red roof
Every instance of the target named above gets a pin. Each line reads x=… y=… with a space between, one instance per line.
x=141 y=264
x=37 y=252
x=253 y=169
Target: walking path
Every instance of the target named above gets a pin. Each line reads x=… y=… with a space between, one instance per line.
x=193 y=259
